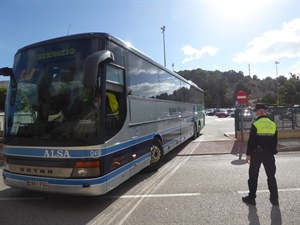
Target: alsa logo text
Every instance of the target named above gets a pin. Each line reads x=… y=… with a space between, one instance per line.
x=52 y=153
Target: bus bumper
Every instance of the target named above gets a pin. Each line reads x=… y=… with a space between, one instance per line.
x=84 y=187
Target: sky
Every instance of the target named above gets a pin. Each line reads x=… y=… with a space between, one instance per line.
x=240 y=35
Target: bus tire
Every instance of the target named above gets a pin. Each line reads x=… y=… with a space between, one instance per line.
x=156 y=153
x=195 y=132
x=199 y=130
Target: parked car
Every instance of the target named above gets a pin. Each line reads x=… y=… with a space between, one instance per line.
x=247 y=114
x=222 y=113
x=231 y=112
x=210 y=112
x=287 y=114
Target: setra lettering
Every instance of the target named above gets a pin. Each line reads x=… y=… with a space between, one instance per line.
x=35 y=170
x=52 y=153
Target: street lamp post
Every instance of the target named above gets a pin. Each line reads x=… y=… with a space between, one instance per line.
x=173 y=66
x=163 y=31
x=276 y=63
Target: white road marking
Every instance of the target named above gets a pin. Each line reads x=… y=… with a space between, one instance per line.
x=154 y=195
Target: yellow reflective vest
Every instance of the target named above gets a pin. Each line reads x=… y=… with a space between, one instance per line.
x=113 y=103
x=265 y=127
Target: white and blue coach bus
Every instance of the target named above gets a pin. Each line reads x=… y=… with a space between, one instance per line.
x=49 y=145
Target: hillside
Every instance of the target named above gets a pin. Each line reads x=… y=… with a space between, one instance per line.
x=256 y=92
x=3 y=83
x=220 y=88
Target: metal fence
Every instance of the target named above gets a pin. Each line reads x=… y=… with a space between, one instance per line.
x=284 y=117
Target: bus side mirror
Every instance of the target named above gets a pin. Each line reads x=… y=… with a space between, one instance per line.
x=9 y=72
x=91 y=66
x=6 y=71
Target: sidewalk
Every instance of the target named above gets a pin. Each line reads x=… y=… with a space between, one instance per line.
x=232 y=146
x=284 y=145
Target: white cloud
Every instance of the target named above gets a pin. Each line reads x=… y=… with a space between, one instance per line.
x=194 y=54
x=295 y=68
x=273 y=45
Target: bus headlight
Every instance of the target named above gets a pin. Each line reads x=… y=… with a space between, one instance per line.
x=86 y=169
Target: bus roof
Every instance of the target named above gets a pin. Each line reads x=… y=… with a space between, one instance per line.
x=112 y=38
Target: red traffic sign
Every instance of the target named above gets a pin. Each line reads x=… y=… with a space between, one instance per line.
x=241 y=97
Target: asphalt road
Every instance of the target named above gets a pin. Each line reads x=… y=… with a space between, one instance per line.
x=188 y=189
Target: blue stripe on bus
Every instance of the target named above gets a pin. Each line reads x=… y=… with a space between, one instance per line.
x=115 y=148
x=126 y=167
x=39 y=152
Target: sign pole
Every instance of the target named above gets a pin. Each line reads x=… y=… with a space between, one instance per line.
x=242 y=123
x=241 y=97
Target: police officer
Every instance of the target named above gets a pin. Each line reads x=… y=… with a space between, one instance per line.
x=261 y=149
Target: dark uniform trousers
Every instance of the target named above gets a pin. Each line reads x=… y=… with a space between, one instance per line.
x=268 y=160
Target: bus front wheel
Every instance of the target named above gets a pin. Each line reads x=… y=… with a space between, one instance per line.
x=156 y=156
x=195 y=132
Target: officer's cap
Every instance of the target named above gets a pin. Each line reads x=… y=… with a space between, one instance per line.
x=260 y=106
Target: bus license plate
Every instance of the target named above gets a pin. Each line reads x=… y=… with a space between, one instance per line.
x=37 y=184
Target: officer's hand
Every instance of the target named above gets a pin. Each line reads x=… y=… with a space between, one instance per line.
x=248 y=159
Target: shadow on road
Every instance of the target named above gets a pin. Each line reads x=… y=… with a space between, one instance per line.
x=239 y=147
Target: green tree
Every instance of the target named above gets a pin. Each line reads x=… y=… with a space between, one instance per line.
x=242 y=86
x=290 y=91
x=220 y=87
x=269 y=99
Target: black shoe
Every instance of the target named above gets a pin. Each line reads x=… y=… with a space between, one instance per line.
x=274 y=201
x=248 y=200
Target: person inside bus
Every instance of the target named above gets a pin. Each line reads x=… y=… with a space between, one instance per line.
x=112 y=115
x=44 y=96
x=112 y=105
x=91 y=109
x=90 y=112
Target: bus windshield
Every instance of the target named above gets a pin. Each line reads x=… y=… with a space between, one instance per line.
x=52 y=102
